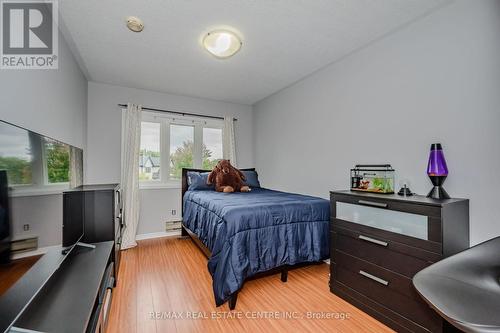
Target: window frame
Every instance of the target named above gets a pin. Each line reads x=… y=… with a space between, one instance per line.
x=165 y=121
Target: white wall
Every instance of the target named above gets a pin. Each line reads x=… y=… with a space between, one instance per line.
x=44 y=215
x=50 y=102
x=103 y=147
x=437 y=80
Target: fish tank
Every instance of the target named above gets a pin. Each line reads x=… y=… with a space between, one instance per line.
x=376 y=178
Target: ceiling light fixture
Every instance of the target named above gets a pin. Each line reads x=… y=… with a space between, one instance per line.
x=222 y=43
x=135 y=24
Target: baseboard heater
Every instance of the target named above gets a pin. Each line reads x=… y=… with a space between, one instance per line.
x=173 y=225
x=24 y=245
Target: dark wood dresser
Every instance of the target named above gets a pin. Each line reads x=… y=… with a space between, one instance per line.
x=379 y=241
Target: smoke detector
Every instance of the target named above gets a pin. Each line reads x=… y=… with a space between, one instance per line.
x=135 y=24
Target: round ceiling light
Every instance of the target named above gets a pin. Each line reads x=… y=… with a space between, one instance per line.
x=135 y=24
x=222 y=43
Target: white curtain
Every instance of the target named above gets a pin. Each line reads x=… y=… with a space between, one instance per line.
x=75 y=167
x=131 y=141
x=228 y=143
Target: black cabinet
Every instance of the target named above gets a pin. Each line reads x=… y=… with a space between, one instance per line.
x=379 y=242
x=100 y=208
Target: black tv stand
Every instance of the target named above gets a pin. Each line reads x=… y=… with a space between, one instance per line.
x=77 y=296
x=89 y=246
x=86 y=245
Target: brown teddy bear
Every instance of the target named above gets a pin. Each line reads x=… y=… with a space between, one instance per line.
x=227 y=178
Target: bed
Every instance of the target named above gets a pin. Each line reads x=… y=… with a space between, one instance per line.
x=247 y=235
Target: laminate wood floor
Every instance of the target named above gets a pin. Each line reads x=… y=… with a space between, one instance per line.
x=10 y=273
x=164 y=286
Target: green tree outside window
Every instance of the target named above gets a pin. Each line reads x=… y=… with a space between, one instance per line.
x=57 y=156
x=183 y=158
x=18 y=170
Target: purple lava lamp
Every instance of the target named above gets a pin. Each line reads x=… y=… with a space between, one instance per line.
x=437 y=171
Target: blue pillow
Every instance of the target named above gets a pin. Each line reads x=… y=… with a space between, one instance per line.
x=197 y=181
x=252 y=179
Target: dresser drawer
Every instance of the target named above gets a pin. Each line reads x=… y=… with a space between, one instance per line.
x=378 y=311
x=415 y=225
x=426 y=245
x=397 y=257
x=394 y=291
x=380 y=201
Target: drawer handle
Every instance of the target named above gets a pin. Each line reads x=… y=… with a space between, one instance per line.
x=374 y=278
x=372 y=240
x=372 y=203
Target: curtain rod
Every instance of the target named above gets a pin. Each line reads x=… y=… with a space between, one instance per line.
x=179 y=113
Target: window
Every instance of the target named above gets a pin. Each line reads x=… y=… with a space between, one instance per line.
x=212 y=147
x=181 y=149
x=169 y=144
x=149 y=157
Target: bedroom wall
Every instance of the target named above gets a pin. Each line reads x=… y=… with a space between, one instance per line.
x=50 y=102
x=46 y=223
x=53 y=103
x=436 y=80
x=103 y=154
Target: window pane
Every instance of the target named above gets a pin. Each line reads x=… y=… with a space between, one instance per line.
x=16 y=154
x=181 y=149
x=57 y=159
x=212 y=147
x=149 y=157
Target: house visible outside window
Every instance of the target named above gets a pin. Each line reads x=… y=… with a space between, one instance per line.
x=150 y=151
x=169 y=144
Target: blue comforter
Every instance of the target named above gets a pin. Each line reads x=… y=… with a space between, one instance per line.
x=253 y=232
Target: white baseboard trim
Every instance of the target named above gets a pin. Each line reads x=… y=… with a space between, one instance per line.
x=158 y=234
x=37 y=252
x=45 y=249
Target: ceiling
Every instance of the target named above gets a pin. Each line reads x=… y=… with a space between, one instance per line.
x=283 y=41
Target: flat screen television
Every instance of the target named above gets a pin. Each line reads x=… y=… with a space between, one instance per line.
x=4 y=219
x=35 y=170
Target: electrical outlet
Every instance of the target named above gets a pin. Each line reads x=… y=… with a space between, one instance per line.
x=26 y=227
x=174 y=212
